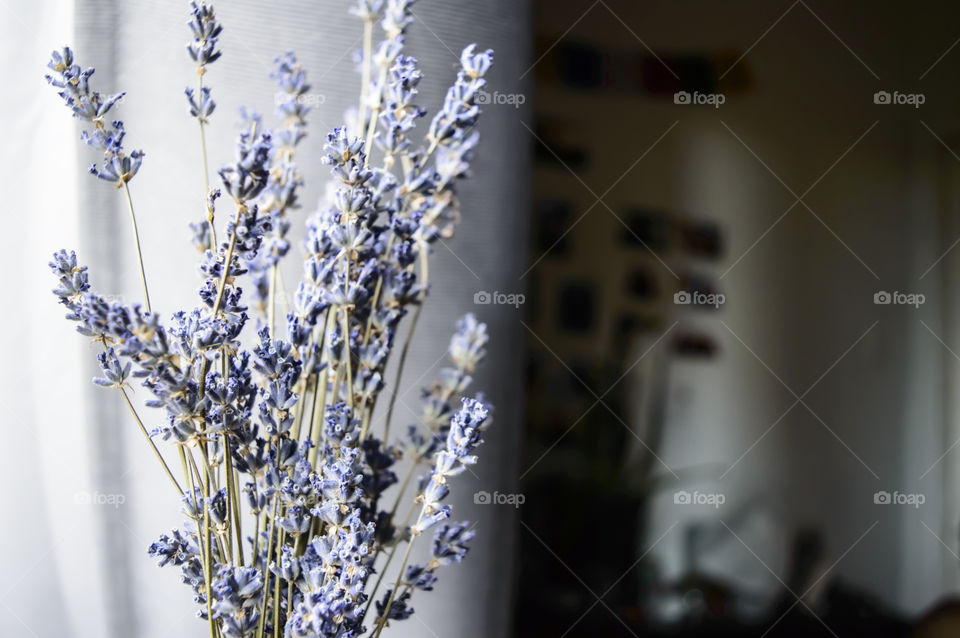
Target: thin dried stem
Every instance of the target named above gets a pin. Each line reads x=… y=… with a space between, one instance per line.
x=136 y=242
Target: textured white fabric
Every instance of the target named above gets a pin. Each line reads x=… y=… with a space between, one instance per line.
x=54 y=574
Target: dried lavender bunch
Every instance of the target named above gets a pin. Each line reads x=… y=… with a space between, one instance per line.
x=295 y=511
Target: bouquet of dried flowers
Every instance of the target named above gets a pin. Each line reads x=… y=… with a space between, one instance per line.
x=298 y=524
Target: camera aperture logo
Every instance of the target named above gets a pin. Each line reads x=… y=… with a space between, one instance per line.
x=696 y=298
x=896 y=98
x=896 y=298
x=497 y=298
x=884 y=497
x=713 y=499
x=516 y=100
x=697 y=98
x=497 y=498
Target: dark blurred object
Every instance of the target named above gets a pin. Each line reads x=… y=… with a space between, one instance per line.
x=840 y=611
x=943 y=621
x=581 y=65
x=659 y=232
x=583 y=515
x=647 y=229
x=701 y=239
x=802 y=574
x=641 y=283
x=576 y=310
x=853 y=612
x=691 y=73
x=699 y=283
x=722 y=72
x=552 y=150
x=552 y=218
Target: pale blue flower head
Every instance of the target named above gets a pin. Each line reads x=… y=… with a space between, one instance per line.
x=206 y=32
x=474 y=64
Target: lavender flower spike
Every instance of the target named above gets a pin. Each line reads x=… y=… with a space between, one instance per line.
x=92 y=107
x=118 y=167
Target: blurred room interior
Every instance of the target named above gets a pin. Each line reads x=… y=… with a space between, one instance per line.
x=793 y=404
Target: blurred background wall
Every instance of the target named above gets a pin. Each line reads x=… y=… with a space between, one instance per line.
x=799 y=399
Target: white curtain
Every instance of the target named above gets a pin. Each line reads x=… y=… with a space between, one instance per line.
x=74 y=567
